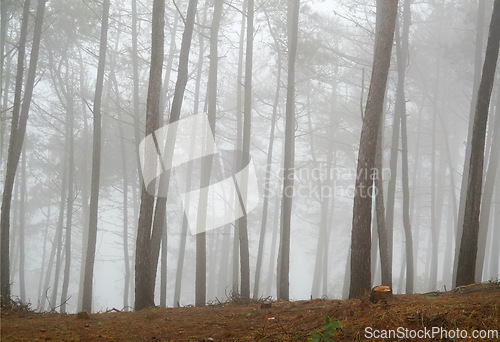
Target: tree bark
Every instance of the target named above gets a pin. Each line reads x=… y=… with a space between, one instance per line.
x=96 y=164
x=267 y=190
x=475 y=88
x=18 y=130
x=360 y=247
x=144 y=291
x=469 y=242
x=180 y=86
x=489 y=186
x=289 y=157
x=70 y=201
x=206 y=171
x=247 y=126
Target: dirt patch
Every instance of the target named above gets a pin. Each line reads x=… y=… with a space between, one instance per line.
x=470 y=308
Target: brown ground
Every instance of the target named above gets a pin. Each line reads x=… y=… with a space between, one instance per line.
x=467 y=308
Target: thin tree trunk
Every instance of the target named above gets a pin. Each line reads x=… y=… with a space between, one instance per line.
x=126 y=257
x=4 y=75
x=135 y=78
x=184 y=228
x=40 y=281
x=274 y=240
x=289 y=156
x=206 y=168
x=468 y=247
x=70 y=200
x=85 y=188
x=22 y=227
x=239 y=143
x=267 y=192
x=96 y=164
x=406 y=207
x=385 y=264
x=247 y=126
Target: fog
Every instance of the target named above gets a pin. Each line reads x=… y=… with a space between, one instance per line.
x=443 y=62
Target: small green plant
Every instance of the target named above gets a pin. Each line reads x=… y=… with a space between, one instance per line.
x=326 y=334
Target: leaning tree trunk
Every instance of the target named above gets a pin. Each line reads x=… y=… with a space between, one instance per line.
x=180 y=86
x=465 y=175
x=489 y=186
x=466 y=267
x=361 y=237
x=18 y=130
x=184 y=224
x=144 y=295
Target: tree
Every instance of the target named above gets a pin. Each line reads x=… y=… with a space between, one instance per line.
x=489 y=187
x=360 y=247
x=247 y=127
x=404 y=156
x=144 y=295
x=267 y=192
x=201 y=257
x=96 y=163
x=288 y=171
x=475 y=87
x=466 y=266
x=18 y=131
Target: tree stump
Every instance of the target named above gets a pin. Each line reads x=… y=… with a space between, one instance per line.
x=381 y=293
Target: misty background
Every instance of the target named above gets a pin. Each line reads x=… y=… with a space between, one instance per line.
x=333 y=68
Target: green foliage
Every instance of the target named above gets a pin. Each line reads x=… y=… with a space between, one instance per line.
x=326 y=334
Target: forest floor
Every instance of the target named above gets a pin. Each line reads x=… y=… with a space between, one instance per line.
x=474 y=307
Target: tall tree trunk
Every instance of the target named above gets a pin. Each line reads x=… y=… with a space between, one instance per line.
x=267 y=190
x=4 y=73
x=385 y=264
x=360 y=247
x=180 y=86
x=164 y=244
x=489 y=186
x=289 y=156
x=247 y=126
x=273 y=265
x=135 y=78
x=85 y=187
x=18 y=130
x=406 y=205
x=469 y=243
x=96 y=163
x=206 y=168
x=125 y=192
x=184 y=227
x=70 y=200
x=22 y=228
x=495 y=236
x=10 y=171
x=475 y=88
x=239 y=142
x=144 y=292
